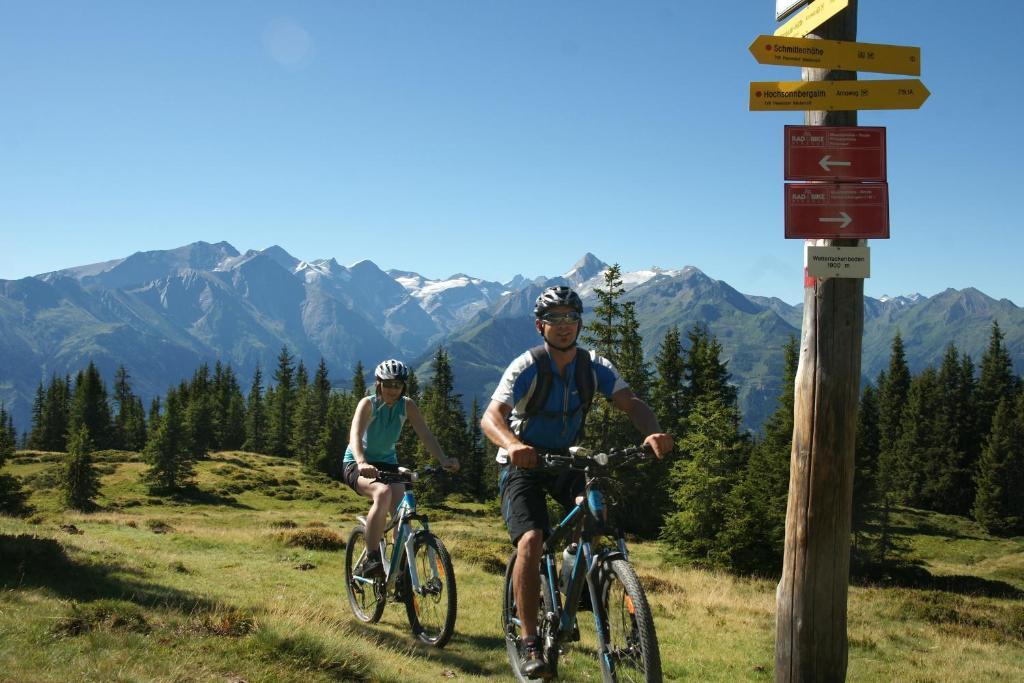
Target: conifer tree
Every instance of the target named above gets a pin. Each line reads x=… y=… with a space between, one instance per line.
x=443 y=413
x=283 y=406
x=333 y=439
x=893 y=388
x=130 y=419
x=80 y=483
x=255 y=416
x=755 y=526
x=168 y=451
x=716 y=455
x=999 y=505
x=198 y=402
x=473 y=465
x=956 y=432
x=305 y=430
x=230 y=413
x=89 y=407
x=865 y=476
x=13 y=499
x=359 y=381
x=35 y=436
x=707 y=375
x=918 y=467
x=995 y=383
x=53 y=427
x=154 y=418
x=603 y=334
x=668 y=391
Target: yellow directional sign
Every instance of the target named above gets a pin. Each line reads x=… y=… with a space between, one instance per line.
x=901 y=93
x=837 y=54
x=816 y=14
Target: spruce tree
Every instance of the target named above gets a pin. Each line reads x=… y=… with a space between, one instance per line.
x=955 y=432
x=716 y=454
x=755 y=526
x=38 y=428
x=333 y=438
x=443 y=413
x=130 y=419
x=80 y=483
x=168 y=451
x=603 y=334
x=359 y=381
x=90 y=409
x=668 y=391
x=997 y=503
x=256 y=416
x=866 y=495
x=996 y=382
x=282 y=408
x=919 y=460
x=199 y=413
x=13 y=499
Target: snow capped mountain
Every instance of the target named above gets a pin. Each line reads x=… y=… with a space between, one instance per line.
x=453 y=300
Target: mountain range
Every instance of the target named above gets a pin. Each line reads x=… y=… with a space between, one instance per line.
x=162 y=313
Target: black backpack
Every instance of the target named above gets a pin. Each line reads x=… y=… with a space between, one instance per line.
x=536 y=399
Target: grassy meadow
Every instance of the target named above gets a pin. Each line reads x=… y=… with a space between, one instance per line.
x=241 y=580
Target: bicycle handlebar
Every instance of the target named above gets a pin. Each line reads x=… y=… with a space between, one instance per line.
x=405 y=476
x=613 y=458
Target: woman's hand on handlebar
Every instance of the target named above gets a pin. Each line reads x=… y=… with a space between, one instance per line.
x=367 y=470
x=661 y=444
x=522 y=455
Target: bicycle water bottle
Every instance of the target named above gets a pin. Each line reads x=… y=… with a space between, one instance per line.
x=568 y=560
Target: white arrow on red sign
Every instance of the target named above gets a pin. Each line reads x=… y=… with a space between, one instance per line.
x=827 y=163
x=844 y=219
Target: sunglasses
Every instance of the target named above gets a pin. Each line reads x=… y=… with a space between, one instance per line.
x=561 y=318
x=392 y=383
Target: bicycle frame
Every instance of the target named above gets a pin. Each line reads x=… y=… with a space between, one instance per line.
x=405 y=539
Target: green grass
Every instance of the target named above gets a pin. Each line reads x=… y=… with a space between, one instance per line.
x=241 y=579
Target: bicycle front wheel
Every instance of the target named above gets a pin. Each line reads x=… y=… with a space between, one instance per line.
x=432 y=608
x=365 y=594
x=632 y=642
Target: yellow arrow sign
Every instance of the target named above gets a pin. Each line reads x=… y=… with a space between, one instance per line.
x=816 y=14
x=902 y=93
x=837 y=54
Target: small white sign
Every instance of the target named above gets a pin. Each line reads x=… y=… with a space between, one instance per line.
x=783 y=8
x=823 y=262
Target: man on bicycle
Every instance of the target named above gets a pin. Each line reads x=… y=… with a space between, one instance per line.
x=520 y=433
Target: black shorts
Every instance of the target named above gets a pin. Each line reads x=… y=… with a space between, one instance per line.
x=522 y=497
x=350 y=473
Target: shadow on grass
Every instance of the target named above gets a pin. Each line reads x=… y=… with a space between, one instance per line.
x=193 y=495
x=449 y=655
x=231 y=460
x=907 y=575
x=28 y=561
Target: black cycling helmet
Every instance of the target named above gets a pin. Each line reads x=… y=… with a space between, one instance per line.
x=559 y=295
x=392 y=369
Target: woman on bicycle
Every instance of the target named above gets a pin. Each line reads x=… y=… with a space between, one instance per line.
x=376 y=426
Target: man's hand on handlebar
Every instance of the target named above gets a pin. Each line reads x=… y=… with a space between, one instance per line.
x=522 y=455
x=661 y=444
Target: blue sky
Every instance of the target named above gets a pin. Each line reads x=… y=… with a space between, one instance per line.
x=485 y=137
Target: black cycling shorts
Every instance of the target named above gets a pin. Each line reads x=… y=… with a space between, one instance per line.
x=350 y=473
x=523 y=505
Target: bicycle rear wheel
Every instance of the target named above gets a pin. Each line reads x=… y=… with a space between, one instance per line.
x=632 y=641
x=432 y=611
x=512 y=629
x=365 y=595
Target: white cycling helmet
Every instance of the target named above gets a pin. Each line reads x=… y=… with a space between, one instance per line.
x=392 y=369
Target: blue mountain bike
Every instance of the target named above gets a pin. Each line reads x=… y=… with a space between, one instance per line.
x=417 y=569
x=626 y=644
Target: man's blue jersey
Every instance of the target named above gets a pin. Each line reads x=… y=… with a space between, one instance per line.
x=558 y=424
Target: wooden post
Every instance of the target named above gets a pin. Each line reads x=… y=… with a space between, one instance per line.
x=810 y=624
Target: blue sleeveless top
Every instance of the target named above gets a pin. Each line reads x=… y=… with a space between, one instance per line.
x=382 y=433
